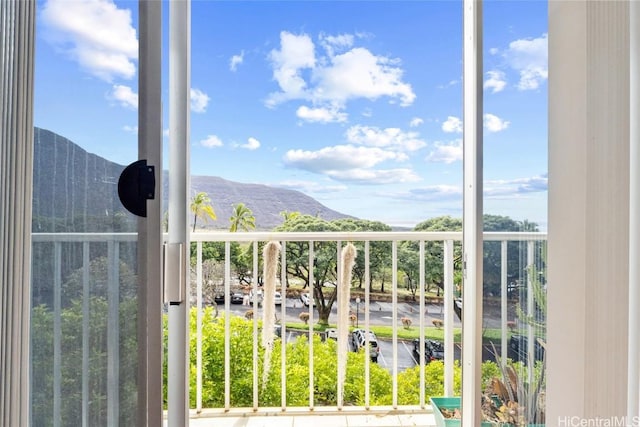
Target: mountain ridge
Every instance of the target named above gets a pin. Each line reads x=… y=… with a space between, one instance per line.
x=75 y=190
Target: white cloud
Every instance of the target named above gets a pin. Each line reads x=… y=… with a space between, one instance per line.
x=296 y=53
x=446 y=152
x=321 y=115
x=312 y=186
x=494 y=123
x=495 y=81
x=235 y=61
x=351 y=164
x=390 y=138
x=452 y=124
x=125 y=96
x=360 y=74
x=332 y=80
x=435 y=193
x=494 y=51
x=516 y=187
x=131 y=129
x=199 y=101
x=95 y=33
x=252 y=144
x=336 y=43
x=415 y=122
x=211 y=141
x=529 y=58
x=375 y=176
x=450 y=83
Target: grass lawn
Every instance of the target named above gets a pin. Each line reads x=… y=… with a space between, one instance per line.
x=404 y=333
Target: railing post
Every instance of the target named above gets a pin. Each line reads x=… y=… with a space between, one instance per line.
x=283 y=326
x=421 y=361
x=448 y=317
x=199 y=327
x=254 y=287
x=227 y=325
x=530 y=309
x=367 y=283
x=57 y=334
x=504 y=297
x=311 y=305
x=394 y=315
x=113 y=334
x=86 y=328
x=341 y=343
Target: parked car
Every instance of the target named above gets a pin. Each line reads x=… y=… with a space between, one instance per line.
x=306 y=300
x=518 y=345
x=433 y=350
x=359 y=337
x=277 y=298
x=259 y=294
x=237 y=298
x=457 y=307
x=331 y=333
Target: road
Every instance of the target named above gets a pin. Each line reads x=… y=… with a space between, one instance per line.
x=380 y=314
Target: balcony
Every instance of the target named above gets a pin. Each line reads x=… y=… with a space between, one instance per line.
x=394 y=310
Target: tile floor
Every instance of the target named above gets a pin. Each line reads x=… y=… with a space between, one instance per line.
x=315 y=420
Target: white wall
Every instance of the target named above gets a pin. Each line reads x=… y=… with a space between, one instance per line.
x=588 y=209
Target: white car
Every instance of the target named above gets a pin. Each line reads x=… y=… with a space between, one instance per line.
x=306 y=300
x=277 y=297
x=259 y=294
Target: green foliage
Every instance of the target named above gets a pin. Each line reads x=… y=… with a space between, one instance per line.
x=201 y=208
x=409 y=261
x=42 y=373
x=325 y=365
x=325 y=368
x=242 y=218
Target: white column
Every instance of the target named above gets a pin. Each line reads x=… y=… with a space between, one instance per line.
x=588 y=260
x=633 y=389
x=17 y=21
x=472 y=216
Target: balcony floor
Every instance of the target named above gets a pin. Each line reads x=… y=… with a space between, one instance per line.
x=310 y=420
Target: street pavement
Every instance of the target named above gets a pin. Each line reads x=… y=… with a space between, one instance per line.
x=380 y=314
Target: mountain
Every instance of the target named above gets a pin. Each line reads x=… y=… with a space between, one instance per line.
x=266 y=202
x=74 y=190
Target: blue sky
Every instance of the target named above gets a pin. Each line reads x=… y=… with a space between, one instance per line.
x=357 y=104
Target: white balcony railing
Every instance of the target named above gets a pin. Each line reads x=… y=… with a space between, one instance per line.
x=113 y=242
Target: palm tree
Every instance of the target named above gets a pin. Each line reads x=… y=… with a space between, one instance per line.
x=201 y=208
x=242 y=218
x=289 y=215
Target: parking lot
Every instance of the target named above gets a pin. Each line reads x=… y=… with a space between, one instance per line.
x=380 y=314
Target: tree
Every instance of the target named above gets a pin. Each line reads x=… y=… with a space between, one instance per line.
x=492 y=252
x=324 y=268
x=289 y=215
x=201 y=208
x=379 y=252
x=409 y=261
x=242 y=218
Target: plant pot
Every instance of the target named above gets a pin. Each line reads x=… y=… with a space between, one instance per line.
x=439 y=403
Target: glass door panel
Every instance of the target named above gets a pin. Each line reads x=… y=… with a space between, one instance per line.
x=84 y=327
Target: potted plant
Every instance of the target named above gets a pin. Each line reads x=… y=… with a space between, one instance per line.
x=506 y=401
